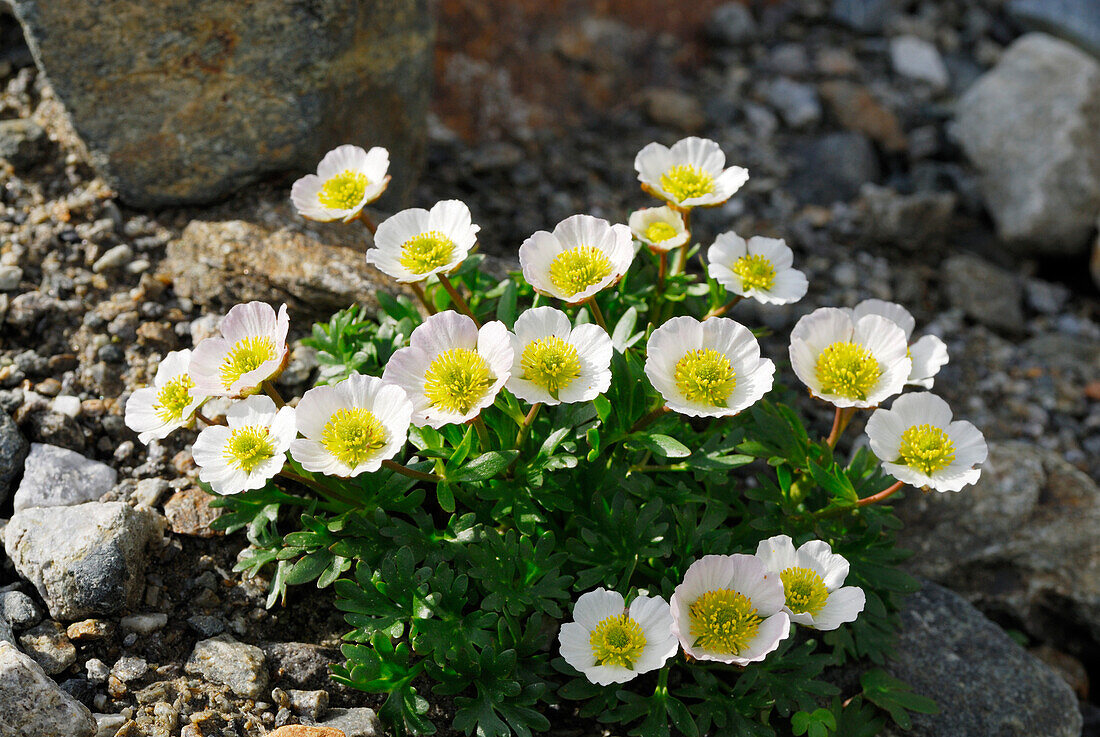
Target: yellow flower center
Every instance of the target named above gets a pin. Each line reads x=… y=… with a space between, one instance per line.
x=723 y=621
x=248 y=447
x=617 y=640
x=848 y=370
x=456 y=380
x=353 y=435
x=246 y=355
x=805 y=590
x=659 y=231
x=705 y=375
x=173 y=398
x=426 y=251
x=550 y=363
x=685 y=181
x=756 y=272
x=926 y=448
x=344 y=191
x=577 y=269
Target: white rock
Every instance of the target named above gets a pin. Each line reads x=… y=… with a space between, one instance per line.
x=113 y=258
x=223 y=660
x=32 y=704
x=144 y=624
x=66 y=404
x=918 y=59
x=10 y=276
x=55 y=477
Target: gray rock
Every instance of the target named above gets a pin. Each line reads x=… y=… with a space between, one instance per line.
x=50 y=647
x=97 y=670
x=129 y=669
x=10 y=276
x=223 y=660
x=107 y=725
x=833 y=168
x=983 y=682
x=212 y=263
x=84 y=560
x=1020 y=544
x=114 y=258
x=1046 y=297
x=22 y=142
x=732 y=24
x=920 y=60
x=986 y=293
x=1029 y=125
x=144 y=624
x=797 y=102
x=868 y=16
x=301 y=665
x=32 y=704
x=227 y=93
x=357 y=722
x=1076 y=21
x=19 y=610
x=13 y=453
x=57 y=477
x=309 y=704
x=912 y=222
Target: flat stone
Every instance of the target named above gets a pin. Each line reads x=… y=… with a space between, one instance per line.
x=1076 y=21
x=223 y=660
x=188 y=512
x=57 y=477
x=144 y=624
x=301 y=730
x=986 y=293
x=50 y=647
x=32 y=704
x=129 y=669
x=13 y=453
x=85 y=560
x=214 y=264
x=90 y=629
x=920 y=60
x=225 y=93
x=357 y=722
x=1029 y=126
x=1020 y=544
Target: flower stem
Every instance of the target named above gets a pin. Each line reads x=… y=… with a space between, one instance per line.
x=724 y=308
x=840 y=421
x=527 y=422
x=456 y=298
x=681 y=263
x=207 y=420
x=662 y=683
x=482 y=433
x=419 y=292
x=597 y=314
x=367 y=221
x=874 y=498
x=271 y=391
x=648 y=418
x=318 y=487
x=410 y=472
x=661 y=269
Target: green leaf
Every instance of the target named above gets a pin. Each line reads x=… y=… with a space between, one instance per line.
x=485 y=466
x=663 y=445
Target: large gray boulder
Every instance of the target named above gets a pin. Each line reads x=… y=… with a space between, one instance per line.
x=32 y=704
x=184 y=101
x=983 y=682
x=1021 y=544
x=85 y=560
x=1029 y=125
x=56 y=477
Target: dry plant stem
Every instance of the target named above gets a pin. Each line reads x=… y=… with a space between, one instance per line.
x=527 y=422
x=411 y=473
x=271 y=391
x=661 y=269
x=419 y=292
x=682 y=263
x=840 y=421
x=648 y=418
x=724 y=308
x=482 y=433
x=456 y=298
x=597 y=314
x=317 y=487
x=881 y=495
x=207 y=420
x=367 y=221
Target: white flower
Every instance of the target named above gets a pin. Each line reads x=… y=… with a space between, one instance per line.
x=611 y=643
x=583 y=255
x=660 y=228
x=919 y=444
x=350 y=427
x=251 y=349
x=155 y=411
x=707 y=369
x=728 y=609
x=554 y=363
x=850 y=363
x=759 y=268
x=929 y=353
x=813 y=582
x=690 y=174
x=347 y=179
x=248 y=450
x=416 y=243
x=450 y=370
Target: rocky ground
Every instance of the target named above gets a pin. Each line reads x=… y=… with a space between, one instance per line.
x=880 y=144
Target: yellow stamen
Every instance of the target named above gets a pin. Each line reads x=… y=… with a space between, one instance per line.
x=579 y=268
x=456 y=380
x=248 y=447
x=617 y=640
x=685 y=181
x=173 y=398
x=246 y=355
x=723 y=621
x=756 y=272
x=659 y=231
x=344 y=191
x=353 y=435
x=426 y=251
x=550 y=363
x=805 y=590
x=926 y=448
x=848 y=370
x=705 y=375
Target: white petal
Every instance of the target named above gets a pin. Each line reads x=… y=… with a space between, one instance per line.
x=595 y=606
x=844 y=605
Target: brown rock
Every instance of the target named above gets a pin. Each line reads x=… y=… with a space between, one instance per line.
x=89 y=629
x=219 y=264
x=858 y=110
x=300 y=730
x=189 y=513
x=674 y=109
